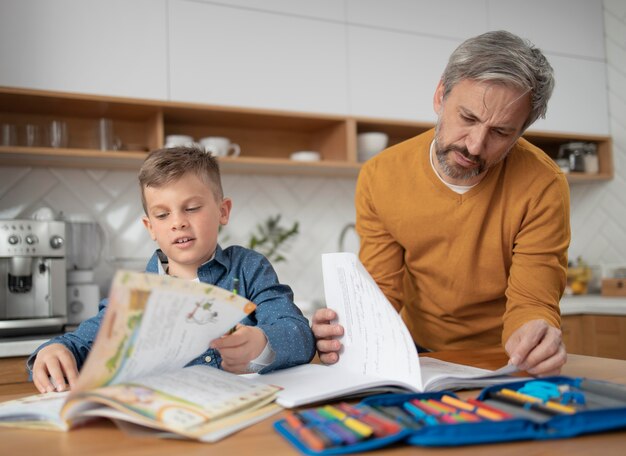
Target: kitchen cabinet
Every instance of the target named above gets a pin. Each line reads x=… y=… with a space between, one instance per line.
x=452 y=18
x=578 y=104
x=570 y=27
x=385 y=77
x=13 y=370
x=267 y=137
x=235 y=56
x=111 y=47
x=595 y=335
x=332 y=10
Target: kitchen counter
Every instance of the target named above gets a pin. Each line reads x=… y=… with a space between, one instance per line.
x=593 y=305
x=570 y=305
x=21 y=346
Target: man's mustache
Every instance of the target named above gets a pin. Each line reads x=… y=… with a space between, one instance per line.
x=463 y=151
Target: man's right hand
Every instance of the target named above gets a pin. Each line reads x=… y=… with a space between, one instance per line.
x=54 y=362
x=325 y=334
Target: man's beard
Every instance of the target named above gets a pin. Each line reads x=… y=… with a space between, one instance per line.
x=454 y=170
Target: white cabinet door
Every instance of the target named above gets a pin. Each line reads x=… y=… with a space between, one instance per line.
x=394 y=75
x=113 y=47
x=572 y=27
x=233 y=56
x=579 y=103
x=333 y=10
x=442 y=18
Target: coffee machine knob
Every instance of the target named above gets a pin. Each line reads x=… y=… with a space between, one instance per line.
x=14 y=239
x=56 y=242
x=31 y=239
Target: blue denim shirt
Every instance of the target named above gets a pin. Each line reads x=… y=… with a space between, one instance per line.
x=287 y=330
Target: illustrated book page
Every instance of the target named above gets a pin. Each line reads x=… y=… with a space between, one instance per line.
x=154 y=325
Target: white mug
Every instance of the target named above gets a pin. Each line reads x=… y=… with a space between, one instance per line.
x=179 y=140
x=219 y=146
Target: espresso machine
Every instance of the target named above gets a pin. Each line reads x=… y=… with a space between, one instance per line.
x=32 y=277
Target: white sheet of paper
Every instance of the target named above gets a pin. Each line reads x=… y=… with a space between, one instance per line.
x=376 y=341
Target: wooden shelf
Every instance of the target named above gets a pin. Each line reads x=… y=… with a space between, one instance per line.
x=266 y=137
x=89 y=158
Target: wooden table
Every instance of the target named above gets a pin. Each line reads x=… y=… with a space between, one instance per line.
x=103 y=438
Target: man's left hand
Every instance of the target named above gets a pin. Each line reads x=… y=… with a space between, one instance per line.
x=537 y=348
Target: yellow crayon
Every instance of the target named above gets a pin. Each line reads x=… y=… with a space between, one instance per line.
x=352 y=423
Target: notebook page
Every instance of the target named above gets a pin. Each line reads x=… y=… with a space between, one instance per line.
x=376 y=343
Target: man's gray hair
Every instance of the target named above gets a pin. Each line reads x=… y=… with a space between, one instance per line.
x=503 y=58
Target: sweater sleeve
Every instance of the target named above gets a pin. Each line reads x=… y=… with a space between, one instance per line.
x=539 y=263
x=379 y=252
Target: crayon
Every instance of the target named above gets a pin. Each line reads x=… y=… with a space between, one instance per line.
x=458 y=403
x=352 y=423
x=468 y=416
x=398 y=414
x=487 y=411
x=346 y=434
x=305 y=435
x=527 y=404
x=335 y=438
x=439 y=406
x=426 y=407
x=419 y=413
x=382 y=425
x=532 y=399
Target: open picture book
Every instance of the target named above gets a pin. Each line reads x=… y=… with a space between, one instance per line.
x=134 y=375
x=378 y=353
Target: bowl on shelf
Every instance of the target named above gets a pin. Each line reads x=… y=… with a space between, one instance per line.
x=305 y=156
x=370 y=143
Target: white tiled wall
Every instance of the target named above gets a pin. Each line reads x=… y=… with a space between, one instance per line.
x=599 y=210
x=321 y=205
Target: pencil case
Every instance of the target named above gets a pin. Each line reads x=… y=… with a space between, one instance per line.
x=557 y=407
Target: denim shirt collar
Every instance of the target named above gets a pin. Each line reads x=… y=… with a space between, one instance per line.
x=207 y=272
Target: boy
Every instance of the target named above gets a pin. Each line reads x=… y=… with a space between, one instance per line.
x=184 y=207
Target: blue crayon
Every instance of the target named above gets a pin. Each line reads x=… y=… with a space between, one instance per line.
x=347 y=435
x=333 y=437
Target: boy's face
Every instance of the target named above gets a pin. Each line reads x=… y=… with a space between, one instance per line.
x=184 y=219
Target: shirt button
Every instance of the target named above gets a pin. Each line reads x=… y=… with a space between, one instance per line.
x=207 y=359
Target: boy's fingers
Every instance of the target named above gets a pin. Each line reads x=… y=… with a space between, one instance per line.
x=324 y=316
x=56 y=373
x=41 y=381
x=328 y=346
x=329 y=358
x=231 y=341
x=322 y=331
x=68 y=365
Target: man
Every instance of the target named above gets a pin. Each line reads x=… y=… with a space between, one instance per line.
x=465 y=228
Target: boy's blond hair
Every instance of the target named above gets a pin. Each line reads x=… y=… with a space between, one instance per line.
x=167 y=165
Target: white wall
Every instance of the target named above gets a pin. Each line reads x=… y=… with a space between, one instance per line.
x=394 y=82
x=599 y=210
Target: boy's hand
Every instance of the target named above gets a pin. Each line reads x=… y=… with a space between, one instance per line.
x=239 y=348
x=325 y=334
x=57 y=362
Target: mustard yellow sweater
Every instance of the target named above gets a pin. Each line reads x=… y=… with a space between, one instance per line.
x=465 y=270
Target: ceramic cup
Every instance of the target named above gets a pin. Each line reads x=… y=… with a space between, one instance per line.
x=370 y=143
x=219 y=146
x=179 y=140
x=305 y=155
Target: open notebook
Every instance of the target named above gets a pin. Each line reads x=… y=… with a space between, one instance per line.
x=378 y=352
